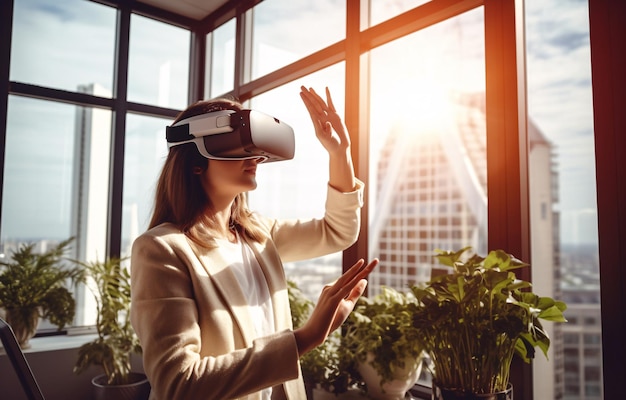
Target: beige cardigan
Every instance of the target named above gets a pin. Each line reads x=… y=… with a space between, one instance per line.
x=191 y=316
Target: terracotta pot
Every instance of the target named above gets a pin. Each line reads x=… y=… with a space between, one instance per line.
x=446 y=394
x=392 y=390
x=24 y=323
x=138 y=389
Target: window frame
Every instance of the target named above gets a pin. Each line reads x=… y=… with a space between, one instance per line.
x=607 y=30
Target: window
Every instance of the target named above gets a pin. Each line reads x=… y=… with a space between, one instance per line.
x=381 y=10
x=592 y=339
x=281 y=32
x=59 y=158
x=145 y=153
x=49 y=41
x=220 y=64
x=158 y=70
x=563 y=219
x=38 y=165
x=591 y=321
x=56 y=178
x=421 y=118
x=297 y=188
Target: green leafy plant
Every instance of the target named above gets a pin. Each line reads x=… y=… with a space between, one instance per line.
x=299 y=304
x=109 y=281
x=327 y=365
x=37 y=285
x=381 y=326
x=473 y=320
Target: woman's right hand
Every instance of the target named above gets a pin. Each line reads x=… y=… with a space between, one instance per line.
x=334 y=306
x=326 y=121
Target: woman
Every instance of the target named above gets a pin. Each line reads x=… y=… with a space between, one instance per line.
x=209 y=295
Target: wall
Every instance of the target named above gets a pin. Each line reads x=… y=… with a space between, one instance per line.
x=53 y=372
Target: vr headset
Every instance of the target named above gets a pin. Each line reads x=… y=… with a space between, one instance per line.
x=235 y=135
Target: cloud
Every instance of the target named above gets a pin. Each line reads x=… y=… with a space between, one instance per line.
x=560 y=96
x=558 y=54
x=556 y=28
x=62 y=47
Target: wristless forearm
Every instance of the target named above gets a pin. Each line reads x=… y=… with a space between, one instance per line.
x=341 y=171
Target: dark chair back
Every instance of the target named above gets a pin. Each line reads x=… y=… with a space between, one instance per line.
x=22 y=369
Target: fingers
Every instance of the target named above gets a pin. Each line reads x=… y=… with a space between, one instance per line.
x=359 y=270
x=315 y=103
x=353 y=276
x=350 y=273
x=311 y=95
x=311 y=100
x=357 y=291
x=329 y=101
x=326 y=120
x=316 y=108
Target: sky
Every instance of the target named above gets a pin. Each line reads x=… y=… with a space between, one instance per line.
x=560 y=102
x=56 y=45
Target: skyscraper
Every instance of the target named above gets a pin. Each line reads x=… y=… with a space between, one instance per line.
x=432 y=194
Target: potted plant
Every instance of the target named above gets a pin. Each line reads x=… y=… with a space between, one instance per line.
x=474 y=319
x=109 y=281
x=36 y=285
x=376 y=351
x=385 y=346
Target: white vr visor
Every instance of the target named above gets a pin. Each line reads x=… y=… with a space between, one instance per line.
x=235 y=135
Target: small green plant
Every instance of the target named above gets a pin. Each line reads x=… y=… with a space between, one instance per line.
x=473 y=320
x=382 y=327
x=37 y=285
x=109 y=281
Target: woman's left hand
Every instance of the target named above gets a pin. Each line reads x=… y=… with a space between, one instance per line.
x=325 y=120
x=334 y=305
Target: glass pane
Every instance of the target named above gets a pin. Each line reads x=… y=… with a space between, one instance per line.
x=285 y=31
x=297 y=188
x=382 y=10
x=563 y=195
x=63 y=44
x=158 y=69
x=221 y=63
x=145 y=152
x=56 y=179
x=39 y=157
x=427 y=150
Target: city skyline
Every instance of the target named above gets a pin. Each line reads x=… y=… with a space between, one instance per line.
x=558 y=84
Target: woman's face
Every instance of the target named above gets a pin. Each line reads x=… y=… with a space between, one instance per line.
x=229 y=178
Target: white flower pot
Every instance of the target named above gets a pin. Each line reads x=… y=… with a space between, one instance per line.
x=391 y=390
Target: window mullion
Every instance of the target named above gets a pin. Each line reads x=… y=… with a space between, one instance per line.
x=507 y=180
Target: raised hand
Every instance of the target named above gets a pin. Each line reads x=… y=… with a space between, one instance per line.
x=325 y=120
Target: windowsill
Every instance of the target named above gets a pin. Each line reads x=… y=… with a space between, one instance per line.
x=421 y=392
x=53 y=343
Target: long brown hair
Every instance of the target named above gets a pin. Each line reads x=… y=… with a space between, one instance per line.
x=180 y=197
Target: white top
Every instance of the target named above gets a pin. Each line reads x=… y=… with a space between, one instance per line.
x=252 y=281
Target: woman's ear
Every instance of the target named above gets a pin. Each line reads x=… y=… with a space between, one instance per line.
x=196 y=170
